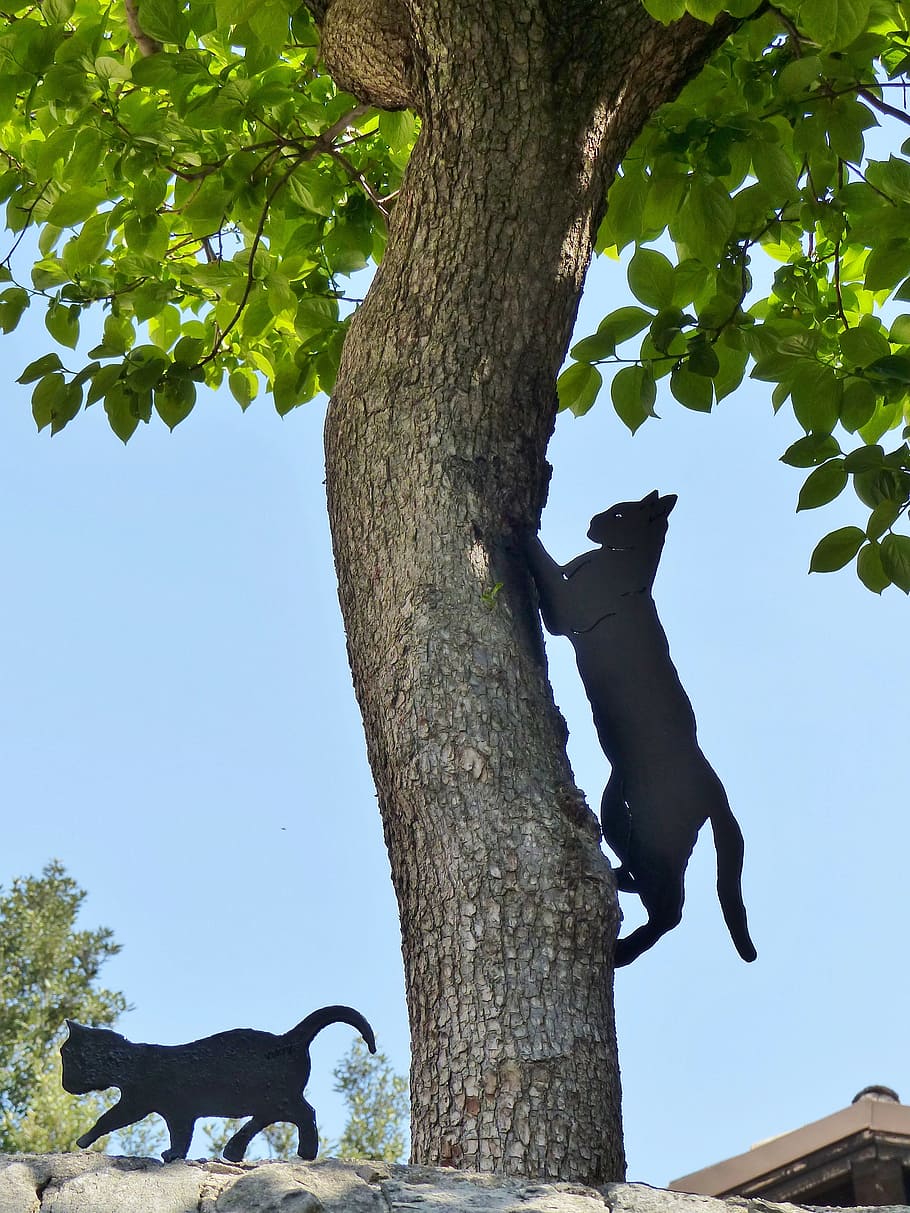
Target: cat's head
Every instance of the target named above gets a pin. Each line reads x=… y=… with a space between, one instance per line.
x=93 y=1058
x=626 y=524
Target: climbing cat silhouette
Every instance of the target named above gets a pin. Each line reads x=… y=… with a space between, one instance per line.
x=661 y=789
x=238 y=1073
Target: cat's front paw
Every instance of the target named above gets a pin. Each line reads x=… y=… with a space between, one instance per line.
x=84 y=1141
x=233 y=1152
x=172 y=1155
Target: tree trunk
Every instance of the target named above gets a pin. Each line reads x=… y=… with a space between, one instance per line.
x=435 y=446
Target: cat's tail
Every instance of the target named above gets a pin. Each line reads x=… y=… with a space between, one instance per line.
x=308 y=1028
x=728 y=842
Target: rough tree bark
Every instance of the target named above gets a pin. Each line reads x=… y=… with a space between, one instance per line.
x=435 y=446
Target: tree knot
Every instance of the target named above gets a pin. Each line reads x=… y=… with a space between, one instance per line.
x=367 y=46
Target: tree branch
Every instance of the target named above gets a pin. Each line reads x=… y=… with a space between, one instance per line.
x=147 y=45
x=882 y=106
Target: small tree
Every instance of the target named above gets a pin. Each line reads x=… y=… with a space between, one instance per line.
x=48 y=973
x=378 y=1106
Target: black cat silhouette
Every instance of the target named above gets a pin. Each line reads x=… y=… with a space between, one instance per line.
x=661 y=789
x=238 y=1073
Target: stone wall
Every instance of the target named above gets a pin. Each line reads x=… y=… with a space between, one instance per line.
x=95 y=1183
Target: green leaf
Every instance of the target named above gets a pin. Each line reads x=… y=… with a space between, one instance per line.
x=666 y=331
x=74 y=206
x=799 y=75
x=13 y=303
x=816 y=393
x=109 y=68
x=40 y=367
x=158 y=71
x=862 y=346
x=900 y=330
x=857 y=403
x=703 y=359
x=243 y=386
x=887 y=416
x=823 y=485
x=347 y=248
x=775 y=170
x=836 y=550
x=895 y=366
x=864 y=459
x=56 y=12
x=895 y=553
x=174 y=399
x=577 y=387
x=47 y=393
x=887 y=264
x=102 y=381
x=625 y=204
x=810 y=451
x=833 y=24
x=62 y=323
x=66 y=406
x=624 y=323
x=86 y=248
x=876 y=488
x=705 y=220
x=732 y=368
x=870 y=569
x=665 y=11
x=122 y=415
x=694 y=391
x=594 y=348
x=633 y=392
x=883 y=517
x=164 y=20
x=396 y=128
x=650 y=276
x=204 y=211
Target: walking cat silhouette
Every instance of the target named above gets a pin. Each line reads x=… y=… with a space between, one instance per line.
x=237 y=1073
x=661 y=789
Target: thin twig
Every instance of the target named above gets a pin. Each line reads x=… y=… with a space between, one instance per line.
x=361 y=181
x=28 y=218
x=251 y=268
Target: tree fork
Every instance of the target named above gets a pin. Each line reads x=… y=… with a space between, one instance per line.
x=442 y=411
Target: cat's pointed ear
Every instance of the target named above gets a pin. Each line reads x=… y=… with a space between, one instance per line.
x=668 y=502
x=651 y=498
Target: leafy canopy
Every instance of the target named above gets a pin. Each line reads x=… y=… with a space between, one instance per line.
x=191 y=171
x=208 y=194
x=48 y=973
x=378 y=1106
x=766 y=150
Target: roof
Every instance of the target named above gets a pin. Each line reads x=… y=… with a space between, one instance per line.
x=868 y=1116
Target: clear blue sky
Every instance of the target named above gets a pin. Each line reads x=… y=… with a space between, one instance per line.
x=178 y=727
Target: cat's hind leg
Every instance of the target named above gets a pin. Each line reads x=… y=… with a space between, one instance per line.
x=304 y=1117
x=662 y=893
x=238 y=1145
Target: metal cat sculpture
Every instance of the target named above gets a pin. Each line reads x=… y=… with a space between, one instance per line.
x=237 y=1073
x=661 y=789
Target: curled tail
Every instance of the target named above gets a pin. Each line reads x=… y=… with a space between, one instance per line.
x=308 y=1028
x=728 y=842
